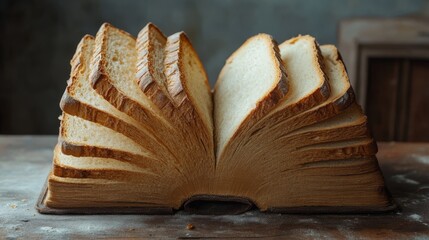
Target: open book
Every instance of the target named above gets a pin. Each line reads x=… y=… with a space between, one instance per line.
x=142 y=129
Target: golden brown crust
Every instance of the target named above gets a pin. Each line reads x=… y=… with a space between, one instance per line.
x=189 y=120
x=101 y=82
x=107 y=174
x=172 y=71
x=177 y=45
x=149 y=164
x=76 y=108
x=145 y=73
x=319 y=95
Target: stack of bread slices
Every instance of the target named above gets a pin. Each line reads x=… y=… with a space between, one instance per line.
x=141 y=127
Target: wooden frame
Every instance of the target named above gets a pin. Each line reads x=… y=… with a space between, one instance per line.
x=361 y=39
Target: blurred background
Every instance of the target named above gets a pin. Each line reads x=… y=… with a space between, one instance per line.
x=384 y=44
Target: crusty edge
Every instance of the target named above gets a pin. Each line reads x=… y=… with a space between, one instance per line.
x=155 y=124
x=108 y=174
x=76 y=108
x=320 y=94
x=176 y=81
x=143 y=162
x=102 y=84
x=336 y=105
x=190 y=118
x=145 y=70
x=60 y=170
x=267 y=103
x=349 y=97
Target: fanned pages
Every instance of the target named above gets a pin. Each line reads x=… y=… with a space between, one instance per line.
x=141 y=132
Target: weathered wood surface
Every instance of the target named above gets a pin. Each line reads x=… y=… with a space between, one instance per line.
x=25 y=162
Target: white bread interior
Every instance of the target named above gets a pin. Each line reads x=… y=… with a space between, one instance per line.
x=82 y=132
x=302 y=61
x=247 y=81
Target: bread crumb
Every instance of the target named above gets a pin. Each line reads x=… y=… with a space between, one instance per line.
x=12 y=205
x=190 y=226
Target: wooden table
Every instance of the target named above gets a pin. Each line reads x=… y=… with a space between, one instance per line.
x=26 y=160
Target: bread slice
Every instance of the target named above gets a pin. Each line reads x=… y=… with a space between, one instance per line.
x=82 y=138
x=150 y=67
x=92 y=166
x=113 y=77
x=171 y=74
x=77 y=130
x=187 y=81
x=250 y=84
x=188 y=86
x=81 y=100
x=308 y=83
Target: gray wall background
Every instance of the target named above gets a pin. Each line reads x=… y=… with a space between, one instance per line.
x=38 y=38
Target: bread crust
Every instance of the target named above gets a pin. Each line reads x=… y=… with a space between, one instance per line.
x=76 y=108
x=72 y=106
x=145 y=73
x=143 y=162
x=349 y=97
x=176 y=80
x=101 y=82
x=61 y=170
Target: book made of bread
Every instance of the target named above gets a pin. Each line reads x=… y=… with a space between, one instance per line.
x=141 y=127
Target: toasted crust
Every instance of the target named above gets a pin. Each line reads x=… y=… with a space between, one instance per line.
x=176 y=45
x=77 y=150
x=101 y=82
x=61 y=170
x=197 y=133
x=327 y=109
x=319 y=95
x=72 y=106
x=147 y=39
x=76 y=108
x=106 y=174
